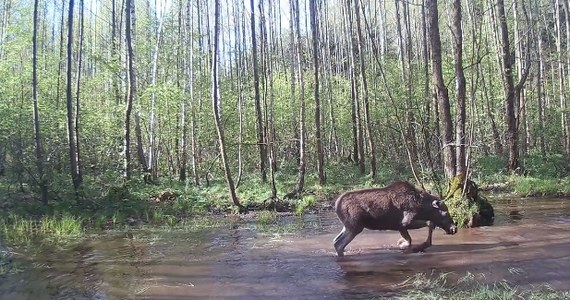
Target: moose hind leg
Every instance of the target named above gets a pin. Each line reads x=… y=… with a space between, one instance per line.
x=343 y=239
x=338 y=241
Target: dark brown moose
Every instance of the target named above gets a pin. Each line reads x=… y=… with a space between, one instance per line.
x=398 y=206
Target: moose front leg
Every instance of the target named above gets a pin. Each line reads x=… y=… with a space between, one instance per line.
x=406 y=240
x=416 y=225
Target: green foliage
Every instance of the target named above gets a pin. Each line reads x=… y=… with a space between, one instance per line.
x=304 y=204
x=549 y=166
x=531 y=186
x=488 y=165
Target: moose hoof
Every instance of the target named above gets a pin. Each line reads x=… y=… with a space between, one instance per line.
x=403 y=244
x=418 y=248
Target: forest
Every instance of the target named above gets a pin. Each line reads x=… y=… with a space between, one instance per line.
x=117 y=105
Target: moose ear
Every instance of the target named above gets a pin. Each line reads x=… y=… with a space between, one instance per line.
x=435 y=204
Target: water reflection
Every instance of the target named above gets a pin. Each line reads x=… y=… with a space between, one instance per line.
x=530 y=236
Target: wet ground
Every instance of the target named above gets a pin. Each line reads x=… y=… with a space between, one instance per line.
x=528 y=245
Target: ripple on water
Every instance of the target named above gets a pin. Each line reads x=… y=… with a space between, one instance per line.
x=529 y=243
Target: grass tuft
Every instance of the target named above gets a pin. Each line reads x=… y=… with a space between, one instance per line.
x=424 y=286
x=19 y=230
x=267 y=217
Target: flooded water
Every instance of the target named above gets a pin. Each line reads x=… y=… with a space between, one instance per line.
x=529 y=244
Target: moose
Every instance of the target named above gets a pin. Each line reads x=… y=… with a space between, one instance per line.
x=398 y=206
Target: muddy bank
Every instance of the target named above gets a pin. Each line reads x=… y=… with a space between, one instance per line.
x=529 y=244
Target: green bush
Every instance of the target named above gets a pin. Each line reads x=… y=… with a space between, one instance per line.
x=304 y=204
x=530 y=186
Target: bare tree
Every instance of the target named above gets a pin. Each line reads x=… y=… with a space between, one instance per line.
x=440 y=89
x=562 y=76
x=460 y=86
x=187 y=81
x=216 y=106
x=239 y=32
x=426 y=115
x=358 y=137
x=260 y=128
x=152 y=161
x=72 y=138
x=512 y=91
x=302 y=109
x=539 y=82
x=364 y=93
x=269 y=92
x=37 y=132
x=313 y=10
x=115 y=57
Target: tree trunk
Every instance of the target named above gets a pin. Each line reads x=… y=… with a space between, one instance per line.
x=566 y=5
x=561 y=80
x=328 y=52
x=460 y=86
x=37 y=132
x=358 y=137
x=509 y=89
x=152 y=157
x=77 y=99
x=426 y=126
x=268 y=94
x=115 y=57
x=187 y=36
x=238 y=29
x=261 y=144
x=61 y=53
x=294 y=78
x=540 y=83
x=364 y=93
x=313 y=9
x=216 y=106
x=73 y=152
x=302 y=109
x=440 y=90
x=130 y=93
x=512 y=92
x=193 y=116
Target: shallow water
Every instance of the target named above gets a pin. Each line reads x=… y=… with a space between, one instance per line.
x=529 y=244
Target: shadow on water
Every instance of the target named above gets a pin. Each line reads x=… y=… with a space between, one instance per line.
x=529 y=244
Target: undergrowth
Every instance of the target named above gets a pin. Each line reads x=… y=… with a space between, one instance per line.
x=104 y=202
x=423 y=286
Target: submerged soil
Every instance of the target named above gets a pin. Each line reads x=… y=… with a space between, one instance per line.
x=528 y=245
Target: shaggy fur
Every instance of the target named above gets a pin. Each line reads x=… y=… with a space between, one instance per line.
x=399 y=206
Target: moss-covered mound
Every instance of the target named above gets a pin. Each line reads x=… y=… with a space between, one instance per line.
x=467 y=207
